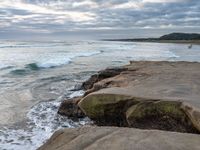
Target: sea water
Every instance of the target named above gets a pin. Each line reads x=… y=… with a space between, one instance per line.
x=35 y=77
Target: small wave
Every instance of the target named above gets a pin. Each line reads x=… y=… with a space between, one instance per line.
x=30 y=46
x=33 y=66
x=19 y=72
x=54 y=63
x=7 y=67
x=51 y=63
x=59 y=61
x=26 y=70
x=87 y=54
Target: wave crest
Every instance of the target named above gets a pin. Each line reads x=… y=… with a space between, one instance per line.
x=51 y=63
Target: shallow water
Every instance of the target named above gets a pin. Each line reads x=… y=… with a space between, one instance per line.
x=37 y=76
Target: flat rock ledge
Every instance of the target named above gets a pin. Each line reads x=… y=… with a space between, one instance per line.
x=114 y=138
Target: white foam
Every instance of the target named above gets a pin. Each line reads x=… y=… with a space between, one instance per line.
x=76 y=94
x=43 y=122
x=51 y=61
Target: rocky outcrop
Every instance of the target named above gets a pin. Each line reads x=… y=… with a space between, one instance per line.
x=113 y=138
x=148 y=95
x=108 y=109
x=70 y=109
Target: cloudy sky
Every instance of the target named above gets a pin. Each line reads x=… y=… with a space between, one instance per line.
x=58 y=19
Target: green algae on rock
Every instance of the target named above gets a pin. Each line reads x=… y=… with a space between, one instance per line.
x=163 y=115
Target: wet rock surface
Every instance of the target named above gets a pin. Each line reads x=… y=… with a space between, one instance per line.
x=70 y=109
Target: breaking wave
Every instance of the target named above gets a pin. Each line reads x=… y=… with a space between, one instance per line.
x=51 y=63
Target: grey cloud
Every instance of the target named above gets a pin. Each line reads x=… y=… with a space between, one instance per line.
x=53 y=17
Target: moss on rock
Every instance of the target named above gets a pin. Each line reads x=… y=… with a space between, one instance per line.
x=163 y=115
x=107 y=109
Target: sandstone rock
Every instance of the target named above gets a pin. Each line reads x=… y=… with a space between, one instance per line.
x=113 y=138
x=174 y=84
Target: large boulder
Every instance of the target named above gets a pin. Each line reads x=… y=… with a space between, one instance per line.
x=113 y=138
x=118 y=109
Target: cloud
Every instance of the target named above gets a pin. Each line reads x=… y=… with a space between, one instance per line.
x=163 y=1
x=61 y=16
x=86 y=3
x=129 y=5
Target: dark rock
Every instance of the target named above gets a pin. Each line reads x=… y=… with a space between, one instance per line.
x=70 y=109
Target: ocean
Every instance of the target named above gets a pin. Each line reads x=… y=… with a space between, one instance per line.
x=35 y=77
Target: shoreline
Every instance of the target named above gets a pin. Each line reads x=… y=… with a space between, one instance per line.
x=183 y=38
x=196 y=42
x=150 y=95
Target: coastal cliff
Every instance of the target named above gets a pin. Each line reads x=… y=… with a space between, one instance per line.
x=146 y=95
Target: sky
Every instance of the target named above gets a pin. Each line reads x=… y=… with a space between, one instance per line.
x=96 y=19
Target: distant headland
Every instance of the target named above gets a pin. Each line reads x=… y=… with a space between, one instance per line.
x=168 y=38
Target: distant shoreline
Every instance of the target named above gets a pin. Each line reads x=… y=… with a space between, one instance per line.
x=157 y=41
x=182 y=38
